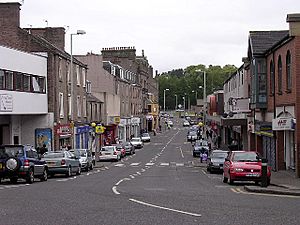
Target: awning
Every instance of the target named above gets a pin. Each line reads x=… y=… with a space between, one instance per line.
x=234 y=122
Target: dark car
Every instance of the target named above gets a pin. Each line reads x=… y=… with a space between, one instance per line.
x=215 y=161
x=129 y=148
x=192 y=135
x=21 y=161
x=200 y=146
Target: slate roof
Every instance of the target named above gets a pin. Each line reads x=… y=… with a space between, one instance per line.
x=92 y=98
x=261 y=41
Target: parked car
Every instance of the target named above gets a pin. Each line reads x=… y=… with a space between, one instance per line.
x=192 y=135
x=21 y=161
x=109 y=153
x=129 y=148
x=62 y=162
x=170 y=123
x=200 y=147
x=121 y=149
x=137 y=142
x=186 y=123
x=145 y=137
x=85 y=158
x=243 y=166
x=215 y=161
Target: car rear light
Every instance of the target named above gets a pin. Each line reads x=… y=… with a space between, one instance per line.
x=100 y=153
x=115 y=153
x=26 y=162
x=63 y=162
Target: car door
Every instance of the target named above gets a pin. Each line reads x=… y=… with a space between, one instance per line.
x=38 y=164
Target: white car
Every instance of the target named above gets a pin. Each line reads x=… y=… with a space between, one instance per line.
x=109 y=153
x=137 y=142
x=186 y=123
x=145 y=137
x=170 y=123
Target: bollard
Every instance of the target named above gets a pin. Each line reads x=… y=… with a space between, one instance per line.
x=264 y=171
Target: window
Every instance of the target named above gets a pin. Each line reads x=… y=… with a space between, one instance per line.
x=88 y=87
x=2 y=80
x=288 y=72
x=26 y=82
x=78 y=106
x=8 y=80
x=279 y=75
x=70 y=105
x=77 y=75
x=18 y=81
x=68 y=73
x=83 y=77
x=272 y=78
x=60 y=68
x=84 y=107
x=41 y=82
x=61 y=105
x=38 y=84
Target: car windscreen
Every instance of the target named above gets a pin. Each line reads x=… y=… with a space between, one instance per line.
x=219 y=155
x=245 y=157
x=145 y=135
x=11 y=151
x=107 y=148
x=54 y=155
x=135 y=139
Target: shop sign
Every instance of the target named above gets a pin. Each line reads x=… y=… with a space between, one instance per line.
x=123 y=122
x=283 y=123
x=6 y=103
x=64 y=130
x=264 y=129
x=113 y=120
x=117 y=119
x=135 y=120
x=82 y=129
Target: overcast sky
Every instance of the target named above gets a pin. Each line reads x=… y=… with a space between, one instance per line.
x=173 y=33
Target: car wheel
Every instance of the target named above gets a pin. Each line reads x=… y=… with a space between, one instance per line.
x=12 y=164
x=268 y=181
x=79 y=170
x=91 y=166
x=194 y=155
x=69 y=172
x=14 y=180
x=44 y=177
x=225 y=179
x=30 y=176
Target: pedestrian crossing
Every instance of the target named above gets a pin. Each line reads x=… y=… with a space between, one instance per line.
x=159 y=164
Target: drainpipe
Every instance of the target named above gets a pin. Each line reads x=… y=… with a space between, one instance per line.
x=274 y=114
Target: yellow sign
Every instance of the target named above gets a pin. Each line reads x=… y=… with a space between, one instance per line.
x=99 y=129
x=117 y=119
x=200 y=124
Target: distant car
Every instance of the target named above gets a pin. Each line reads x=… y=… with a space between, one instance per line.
x=192 y=135
x=109 y=153
x=21 y=161
x=137 y=142
x=129 y=148
x=121 y=149
x=186 y=123
x=170 y=123
x=200 y=146
x=215 y=161
x=145 y=137
x=62 y=162
x=243 y=166
x=85 y=158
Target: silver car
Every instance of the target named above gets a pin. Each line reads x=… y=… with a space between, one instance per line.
x=109 y=153
x=85 y=158
x=62 y=162
x=137 y=142
x=145 y=137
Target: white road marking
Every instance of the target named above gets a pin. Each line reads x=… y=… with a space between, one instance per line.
x=114 y=189
x=138 y=173
x=239 y=191
x=131 y=176
x=106 y=167
x=149 y=164
x=164 y=208
x=119 y=165
x=66 y=179
x=204 y=172
x=179 y=164
x=134 y=164
x=119 y=182
x=181 y=153
x=164 y=164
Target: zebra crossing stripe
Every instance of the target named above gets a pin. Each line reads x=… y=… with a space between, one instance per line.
x=149 y=164
x=119 y=165
x=134 y=164
x=164 y=164
x=179 y=164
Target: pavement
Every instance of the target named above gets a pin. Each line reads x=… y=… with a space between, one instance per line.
x=282 y=182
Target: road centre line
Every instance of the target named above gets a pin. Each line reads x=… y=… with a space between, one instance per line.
x=114 y=189
x=165 y=208
x=119 y=182
x=181 y=152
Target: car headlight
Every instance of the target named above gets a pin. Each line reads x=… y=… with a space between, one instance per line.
x=238 y=170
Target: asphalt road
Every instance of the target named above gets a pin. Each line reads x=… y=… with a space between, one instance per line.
x=157 y=185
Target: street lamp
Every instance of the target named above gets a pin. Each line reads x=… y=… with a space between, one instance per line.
x=204 y=93
x=200 y=87
x=79 y=32
x=183 y=98
x=167 y=89
x=175 y=102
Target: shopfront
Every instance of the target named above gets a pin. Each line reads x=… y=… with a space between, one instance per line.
x=82 y=137
x=64 y=134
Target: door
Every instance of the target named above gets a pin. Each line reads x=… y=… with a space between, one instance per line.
x=269 y=151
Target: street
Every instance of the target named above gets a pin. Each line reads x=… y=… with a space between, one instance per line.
x=160 y=184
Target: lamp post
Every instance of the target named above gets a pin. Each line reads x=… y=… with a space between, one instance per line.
x=175 y=102
x=79 y=32
x=204 y=93
x=167 y=89
x=196 y=93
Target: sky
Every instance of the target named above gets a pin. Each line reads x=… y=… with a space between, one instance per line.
x=173 y=33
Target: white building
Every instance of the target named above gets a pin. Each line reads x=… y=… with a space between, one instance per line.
x=24 y=117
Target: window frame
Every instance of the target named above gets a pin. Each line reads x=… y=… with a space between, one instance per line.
x=279 y=75
x=289 y=82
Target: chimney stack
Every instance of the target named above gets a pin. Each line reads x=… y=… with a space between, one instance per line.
x=294 y=24
x=9 y=15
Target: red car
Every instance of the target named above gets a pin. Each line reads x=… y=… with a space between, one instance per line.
x=243 y=166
